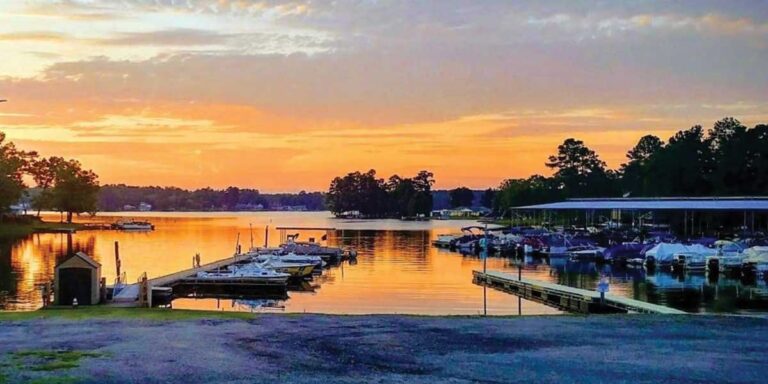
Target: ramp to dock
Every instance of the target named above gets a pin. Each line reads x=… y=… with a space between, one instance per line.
x=565 y=297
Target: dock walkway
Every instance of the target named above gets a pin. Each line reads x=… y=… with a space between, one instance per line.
x=131 y=292
x=567 y=298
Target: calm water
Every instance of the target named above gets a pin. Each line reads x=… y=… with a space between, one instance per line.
x=397 y=269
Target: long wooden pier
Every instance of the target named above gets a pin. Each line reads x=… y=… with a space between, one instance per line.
x=567 y=298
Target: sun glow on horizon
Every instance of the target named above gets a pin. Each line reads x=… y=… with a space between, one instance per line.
x=284 y=96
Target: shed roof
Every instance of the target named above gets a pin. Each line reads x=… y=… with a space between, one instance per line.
x=660 y=203
x=87 y=259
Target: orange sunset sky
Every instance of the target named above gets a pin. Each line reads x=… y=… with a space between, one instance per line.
x=285 y=95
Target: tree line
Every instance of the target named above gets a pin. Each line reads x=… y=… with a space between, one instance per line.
x=61 y=185
x=728 y=159
x=375 y=197
x=117 y=197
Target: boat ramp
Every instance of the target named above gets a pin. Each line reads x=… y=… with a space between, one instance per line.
x=567 y=298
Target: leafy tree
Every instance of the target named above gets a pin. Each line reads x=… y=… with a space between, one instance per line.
x=487 y=199
x=732 y=172
x=43 y=172
x=356 y=191
x=231 y=198
x=580 y=172
x=634 y=173
x=75 y=189
x=683 y=167
x=13 y=164
x=461 y=197
x=536 y=189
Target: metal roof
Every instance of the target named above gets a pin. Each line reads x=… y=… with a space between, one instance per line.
x=661 y=203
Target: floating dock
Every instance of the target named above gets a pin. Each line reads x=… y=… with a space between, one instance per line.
x=161 y=286
x=567 y=298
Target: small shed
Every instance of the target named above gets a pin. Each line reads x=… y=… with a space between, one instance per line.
x=77 y=277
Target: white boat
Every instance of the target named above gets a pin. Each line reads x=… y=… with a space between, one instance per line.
x=252 y=272
x=134 y=225
x=755 y=261
x=293 y=269
x=663 y=254
x=689 y=261
x=317 y=261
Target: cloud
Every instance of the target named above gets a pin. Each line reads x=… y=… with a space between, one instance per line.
x=33 y=36
x=175 y=37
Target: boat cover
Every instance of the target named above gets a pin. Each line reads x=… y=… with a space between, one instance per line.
x=664 y=252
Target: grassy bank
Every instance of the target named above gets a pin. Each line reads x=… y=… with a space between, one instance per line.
x=8 y=229
x=102 y=312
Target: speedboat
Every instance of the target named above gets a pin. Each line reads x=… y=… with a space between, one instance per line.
x=294 y=269
x=315 y=261
x=252 y=273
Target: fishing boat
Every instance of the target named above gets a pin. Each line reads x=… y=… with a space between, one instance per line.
x=133 y=225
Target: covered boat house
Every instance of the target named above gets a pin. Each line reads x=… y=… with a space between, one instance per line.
x=684 y=215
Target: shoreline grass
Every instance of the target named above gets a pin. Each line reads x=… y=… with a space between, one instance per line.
x=165 y=314
x=10 y=229
x=120 y=313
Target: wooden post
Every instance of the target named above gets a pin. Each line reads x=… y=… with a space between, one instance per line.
x=266 y=236
x=117 y=260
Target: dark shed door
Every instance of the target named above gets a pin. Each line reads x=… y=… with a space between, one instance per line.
x=75 y=282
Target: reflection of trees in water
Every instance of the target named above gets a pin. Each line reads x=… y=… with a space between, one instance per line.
x=413 y=244
x=28 y=262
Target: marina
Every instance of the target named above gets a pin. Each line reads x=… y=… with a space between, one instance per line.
x=397 y=269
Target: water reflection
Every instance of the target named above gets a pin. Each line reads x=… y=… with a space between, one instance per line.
x=397 y=271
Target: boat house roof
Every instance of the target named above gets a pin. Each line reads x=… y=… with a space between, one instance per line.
x=659 y=204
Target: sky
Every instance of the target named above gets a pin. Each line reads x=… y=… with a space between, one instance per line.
x=286 y=95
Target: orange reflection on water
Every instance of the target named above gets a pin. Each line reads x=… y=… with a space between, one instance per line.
x=397 y=271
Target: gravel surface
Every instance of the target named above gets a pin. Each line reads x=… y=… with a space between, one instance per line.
x=396 y=349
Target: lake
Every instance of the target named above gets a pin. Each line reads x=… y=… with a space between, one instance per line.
x=397 y=270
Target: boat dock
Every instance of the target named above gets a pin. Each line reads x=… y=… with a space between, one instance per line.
x=567 y=298
x=164 y=284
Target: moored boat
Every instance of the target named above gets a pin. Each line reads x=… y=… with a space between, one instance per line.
x=133 y=225
x=252 y=273
x=315 y=261
x=299 y=270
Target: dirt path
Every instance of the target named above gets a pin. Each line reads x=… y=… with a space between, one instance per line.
x=392 y=349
